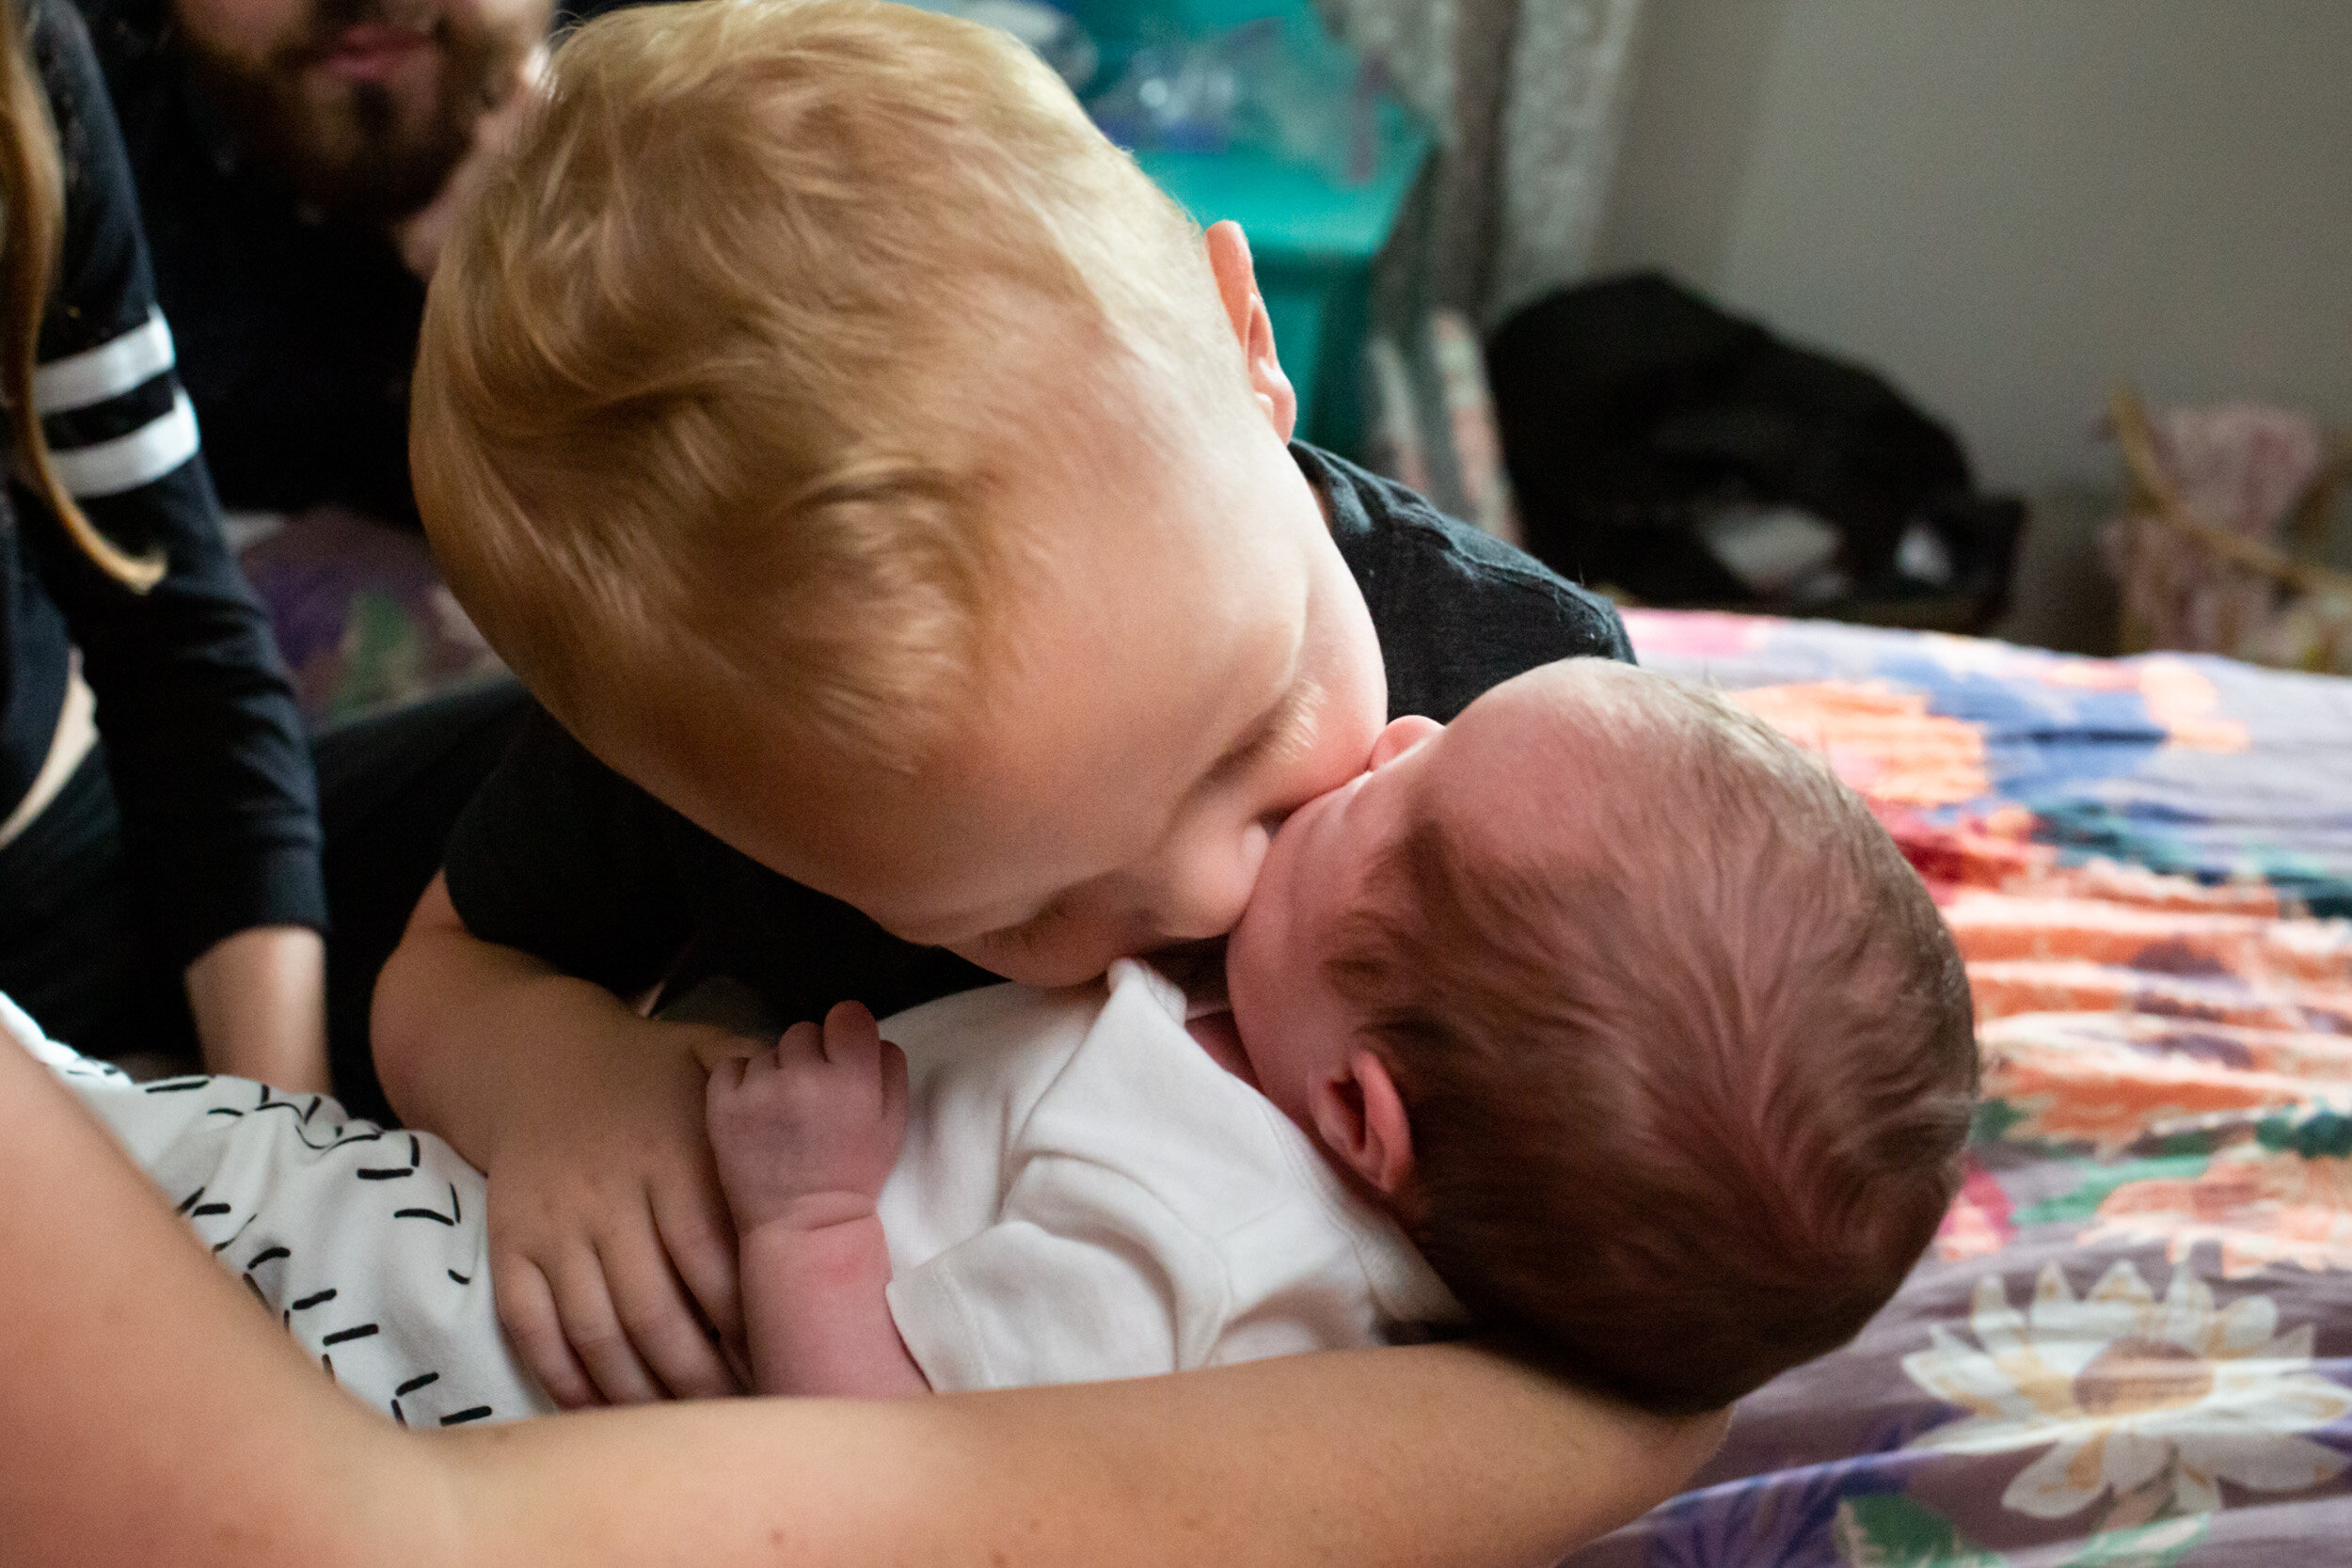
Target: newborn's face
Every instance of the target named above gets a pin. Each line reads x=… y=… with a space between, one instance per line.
x=1293 y=1021
x=1487 y=775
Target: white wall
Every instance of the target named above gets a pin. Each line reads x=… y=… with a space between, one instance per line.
x=2008 y=204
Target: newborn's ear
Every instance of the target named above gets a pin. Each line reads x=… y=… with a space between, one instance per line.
x=1362 y=1120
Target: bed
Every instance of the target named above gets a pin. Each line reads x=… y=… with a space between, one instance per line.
x=2131 y=1342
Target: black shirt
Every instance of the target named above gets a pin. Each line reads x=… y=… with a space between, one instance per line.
x=298 y=333
x=565 y=859
x=203 y=745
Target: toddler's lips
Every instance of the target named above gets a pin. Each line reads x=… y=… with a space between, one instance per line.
x=372 y=52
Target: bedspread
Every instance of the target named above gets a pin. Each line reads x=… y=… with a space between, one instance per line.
x=2131 y=1343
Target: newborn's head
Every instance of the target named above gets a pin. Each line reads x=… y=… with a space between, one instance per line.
x=1676 y=1046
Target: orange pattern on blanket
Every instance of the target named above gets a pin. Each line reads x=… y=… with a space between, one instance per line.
x=2262 y=1206
x=2177 y=695
x=2249 y=948
x=1977 y=1223
x=1880 y=739
x=1995 y=851
x=2114 y=1003
x=2111 y=1078
x=2003 y=989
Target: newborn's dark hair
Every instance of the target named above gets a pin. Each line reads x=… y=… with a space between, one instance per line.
x=1687 y=1079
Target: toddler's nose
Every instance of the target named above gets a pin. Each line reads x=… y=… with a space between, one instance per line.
x=1206 y=883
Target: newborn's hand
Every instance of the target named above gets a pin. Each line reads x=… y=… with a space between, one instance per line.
x=805 y=1133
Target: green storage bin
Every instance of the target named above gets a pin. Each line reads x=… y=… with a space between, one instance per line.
x=1314 y=239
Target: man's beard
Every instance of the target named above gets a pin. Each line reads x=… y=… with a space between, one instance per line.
x=347 y=152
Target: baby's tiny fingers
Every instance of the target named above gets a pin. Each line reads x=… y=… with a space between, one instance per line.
x=803 y=1041
x=850 y=1034
x=725 y=1081
x=763 y=1066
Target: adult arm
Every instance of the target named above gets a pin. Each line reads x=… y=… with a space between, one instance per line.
x=258 y=996
x=205 y=750
x=176 y=1423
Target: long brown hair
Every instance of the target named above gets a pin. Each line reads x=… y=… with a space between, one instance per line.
x=32 y=218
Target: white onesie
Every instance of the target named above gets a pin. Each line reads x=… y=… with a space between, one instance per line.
x=1083 y=1194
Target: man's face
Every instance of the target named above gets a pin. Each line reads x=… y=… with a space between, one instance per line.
x=1195 y=663
x=364 y=106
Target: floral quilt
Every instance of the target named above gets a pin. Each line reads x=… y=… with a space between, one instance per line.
x=2131 y=1343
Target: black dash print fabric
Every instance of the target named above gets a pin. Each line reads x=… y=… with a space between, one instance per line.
x=367 y=1245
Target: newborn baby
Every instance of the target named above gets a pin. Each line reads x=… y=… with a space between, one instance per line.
x=1627 y=1014
x=1603 y=1019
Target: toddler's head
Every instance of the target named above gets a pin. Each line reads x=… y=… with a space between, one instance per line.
x=850 y=445
x=1656 y=1046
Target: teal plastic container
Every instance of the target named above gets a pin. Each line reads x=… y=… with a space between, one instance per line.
x=1313 y=237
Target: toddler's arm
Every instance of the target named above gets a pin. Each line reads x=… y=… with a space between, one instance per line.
x=588 y=1119
x=805 y=1133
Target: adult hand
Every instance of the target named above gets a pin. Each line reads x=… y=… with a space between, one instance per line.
x=610 y=1245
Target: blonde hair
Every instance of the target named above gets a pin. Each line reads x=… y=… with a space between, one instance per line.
x=32 y=219
x=721 y=372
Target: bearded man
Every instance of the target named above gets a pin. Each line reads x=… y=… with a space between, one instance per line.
x=298 y=161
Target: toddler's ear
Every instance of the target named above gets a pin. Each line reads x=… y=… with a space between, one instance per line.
x=1245 y=309
x=1362 y=1119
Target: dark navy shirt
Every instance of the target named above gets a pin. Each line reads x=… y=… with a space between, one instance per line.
x=204 y=748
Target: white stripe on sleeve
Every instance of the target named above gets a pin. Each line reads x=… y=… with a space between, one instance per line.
x=127 y=461
x=113 y=368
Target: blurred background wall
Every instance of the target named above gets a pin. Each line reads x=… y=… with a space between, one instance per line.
x=2008 y=204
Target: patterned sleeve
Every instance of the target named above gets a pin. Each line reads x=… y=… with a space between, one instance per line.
x=209 y=764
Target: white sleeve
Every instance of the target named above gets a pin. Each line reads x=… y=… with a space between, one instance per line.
x=1085 y=1276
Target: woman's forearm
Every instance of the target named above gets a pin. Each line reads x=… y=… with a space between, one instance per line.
x=260 y=1000
x=156 y=1413
x=160 y=1416
x=1434 y=1456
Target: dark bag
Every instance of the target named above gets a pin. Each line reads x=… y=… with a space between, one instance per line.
x=1633 y=412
